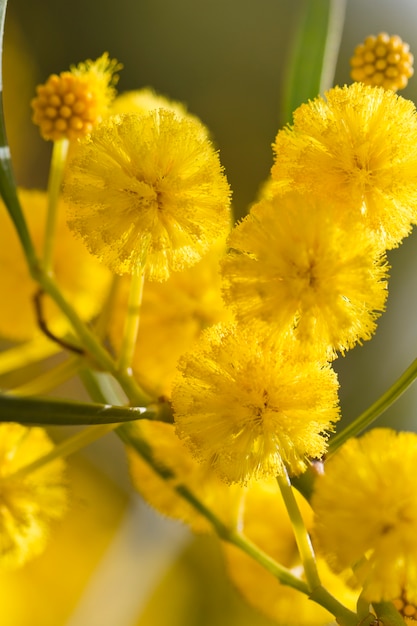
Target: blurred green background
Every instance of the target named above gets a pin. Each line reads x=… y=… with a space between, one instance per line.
x=226 y=59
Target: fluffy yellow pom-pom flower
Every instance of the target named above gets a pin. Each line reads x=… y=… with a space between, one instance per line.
x=383 y=61
x=148 y=193
x=70 y=104
x=359 y=148
x=366 y=513
x=83 y=279
x=28 y=503
x=293 y=268
x=250 y=408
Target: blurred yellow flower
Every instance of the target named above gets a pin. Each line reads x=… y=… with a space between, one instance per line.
x=172 y=454
x=28 y=503
x=70 y=104
x=266 y=522
x=248 y=408
x=143 y=100
x=81 y=277
x=383 y=61
x=147 y=193
x=80 y=541
x=359 y=148
x=292 y=267
x=406 y=609
x=172 y=316
x=366 y=513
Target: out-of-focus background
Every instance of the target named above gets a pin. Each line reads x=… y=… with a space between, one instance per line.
x=114 y=561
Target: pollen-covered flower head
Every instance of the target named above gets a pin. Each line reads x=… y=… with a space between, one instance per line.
x=295 y=270
x=358 y=146
x=249 y=408
x=70 y=104
x=265 y=521
x=28 y=503
x=366 y=513
x=148 y=193
x=383 y=61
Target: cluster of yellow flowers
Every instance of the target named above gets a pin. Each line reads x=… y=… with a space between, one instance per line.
x=229 y=331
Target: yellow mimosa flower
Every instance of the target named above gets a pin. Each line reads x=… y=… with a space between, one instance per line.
x=358 y=147
x=147 y=193
x=249 y=408
x=28 y=503
x=366 y=513
x=296 y=271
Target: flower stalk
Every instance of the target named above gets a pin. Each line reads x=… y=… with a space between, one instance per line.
x=302 y=538
x=59 y=156
x=376 y=409
x=131 y=329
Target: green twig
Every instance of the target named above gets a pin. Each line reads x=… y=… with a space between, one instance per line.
x=131 y=438
x=376 y=409
x=388 y=614
x=42 y=411
x=91 y=343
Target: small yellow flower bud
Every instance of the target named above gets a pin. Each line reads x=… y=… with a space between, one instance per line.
x=71 y=104
x=382 y=61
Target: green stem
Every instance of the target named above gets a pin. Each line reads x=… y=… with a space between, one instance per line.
x=376 y=409
x=344 y=616
x=131 y=438
x=131 y=329
x=65 y=448
x=90 y=342
x=42 y=411
x=59 y=156
x=320 y=595
x=302 y=538
x=388 y=614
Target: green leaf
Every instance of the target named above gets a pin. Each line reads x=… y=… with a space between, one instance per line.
x=44 y=411
x=314 y=53
x=8 y=187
